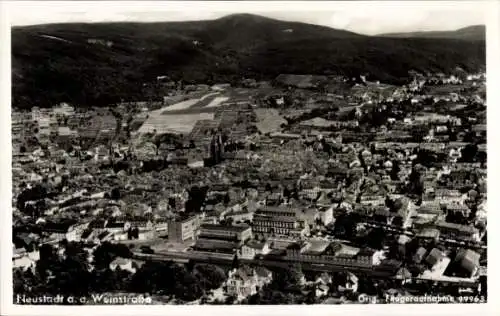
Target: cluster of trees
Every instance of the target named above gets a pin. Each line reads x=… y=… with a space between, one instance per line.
x=345 y=226
x=376 y=117
x=471 y=153
x=54 y=274
x=36 y=193
x=428 y=158
x=186 y=283
x=71 y=274
x=416 y=183
x=196 y=199
x=285 y=288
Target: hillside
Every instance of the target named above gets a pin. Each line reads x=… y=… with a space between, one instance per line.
x=475 y=33
x=97 y=64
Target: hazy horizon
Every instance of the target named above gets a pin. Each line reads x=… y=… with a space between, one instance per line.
x=368 y=18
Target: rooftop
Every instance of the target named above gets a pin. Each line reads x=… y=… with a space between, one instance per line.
x=212 y=244
x=317 y=246
x=462 y=228
x=434 y=256
x=217 y=227
x=255 y=244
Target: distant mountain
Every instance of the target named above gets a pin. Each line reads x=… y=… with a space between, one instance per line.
x=475 y=32
x=97 y=64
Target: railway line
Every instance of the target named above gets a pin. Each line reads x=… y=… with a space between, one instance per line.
x=218 y=258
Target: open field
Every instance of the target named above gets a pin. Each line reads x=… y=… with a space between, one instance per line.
x=205 y=100
x=196 y=104
x=182 y=116
x=269 y=120
x=175 y=123
x=182 y=105
x=217 y=102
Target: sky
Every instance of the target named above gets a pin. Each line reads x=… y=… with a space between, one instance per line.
x=372 y=17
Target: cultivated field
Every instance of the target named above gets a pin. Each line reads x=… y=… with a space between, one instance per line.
x=207 y=100
x=176 y=123
x=216 y=102
x=181 y=117
x=181 y=105
x=269 y=120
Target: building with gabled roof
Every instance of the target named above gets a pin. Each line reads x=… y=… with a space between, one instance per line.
x=246 y=281
x=468 y=261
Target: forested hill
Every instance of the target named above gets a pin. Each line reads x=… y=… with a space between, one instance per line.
x=98 y=64
x=470 y=33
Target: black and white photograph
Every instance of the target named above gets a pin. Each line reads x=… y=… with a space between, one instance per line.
x=246 y=153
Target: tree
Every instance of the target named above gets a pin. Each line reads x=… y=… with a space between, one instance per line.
x=105 y=253
x=395 y=170
x=376 y=238
x=230 y=300
x=345 y=226
x=226 y=199
x=210 y=276
x=452 y=135
x=289 y=279
x=115 y=194
x=389 y=203
x=133 y=233
x=416 y=185
x=31 y=194
x=196 y=199
x=235 y=263
x=468 y=153
x=25 y=281
x=69 y=274
x=107 y=280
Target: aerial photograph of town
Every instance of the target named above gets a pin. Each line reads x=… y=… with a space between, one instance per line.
x=248 y=159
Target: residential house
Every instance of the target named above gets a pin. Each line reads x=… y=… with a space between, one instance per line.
x=123 y=264
x=457 y=208
x=348 y=283
x=146 y=234
x=457 y=231
x=115 y=227
x=139 y=223
x=468 y=261
x=325 y=215
x=61 y=230
x=324 y=279
x=419 y=255
x=437 y=261
x=445 y=195
x=23 y=259
x=97 y=226
x=240 y=216
x=161 y=225
x=322 y=285
x=246 y=281
x=428 y=233
x=403 y=275
x=102 y=237
x=373 y=199
x=253 y=248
